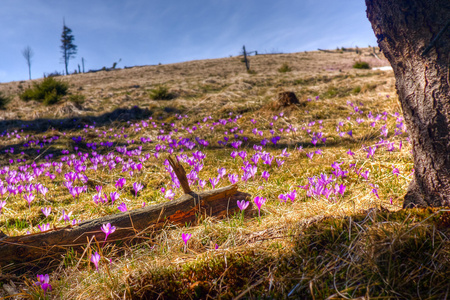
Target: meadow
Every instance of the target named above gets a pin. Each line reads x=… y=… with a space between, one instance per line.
x=326 y=178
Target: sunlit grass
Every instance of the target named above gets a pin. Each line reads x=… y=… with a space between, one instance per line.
x=294 y=247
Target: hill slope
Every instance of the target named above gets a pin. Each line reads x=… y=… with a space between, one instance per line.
x=328 y=175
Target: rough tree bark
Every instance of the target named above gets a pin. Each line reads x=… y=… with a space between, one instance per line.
x=414 y=35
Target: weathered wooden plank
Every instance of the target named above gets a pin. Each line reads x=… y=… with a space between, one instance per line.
x=188 y=208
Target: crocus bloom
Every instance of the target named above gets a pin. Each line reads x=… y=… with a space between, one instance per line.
x=108 y=229
x=222 y=172
x=186 y=237
x=279 y=162
x=233 y=178
x=259 y=201
x=120 y=183
x=95 y=258
x=114 y=196
x=242 y=204
x=395 y=171
x=29 y=197
x=292 y=195
x=122 y=207
x=65 y=217
x=265 y=175
x=169 y=194
x=137 y=187
x=46 y=211
x=201 y=183
x=370 y=151
x=2 y=204
x=43 y=282
x=44 y=227
x=214 y=181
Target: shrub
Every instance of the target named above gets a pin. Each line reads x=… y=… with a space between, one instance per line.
x=77 y=98
x=361 y=65
x=284 y=68
x=49 y=91
x=4 y=100
x=160 y=93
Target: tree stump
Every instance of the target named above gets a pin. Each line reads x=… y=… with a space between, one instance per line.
x=287 y=99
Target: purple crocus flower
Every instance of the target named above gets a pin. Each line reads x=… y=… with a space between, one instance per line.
x=43 y=282
x=122 y=207
x=2 y=204
x=242 y=204
x=137 y=187
x=365 y=175
x=349 y=152
x=95 y=259
x=169 y=194
x=108 y=229
x=222 y=171
x=310 y=154
x=120 y=183
x=292 y=195
x=46 y=211
x=3 y=190
x=64 y=216
x=44 y=227
x=259 y=201
x=265 y=175
x=233 y=178
x=395 y=171
x=186 y=237
x=340 y=189
x=29 y=197
x=279 y=162
x=282 y=197
x=275 y=139
x=114 y=196
x=370 y=151
x=201 y=183
x=242 y=154
x=214 y=181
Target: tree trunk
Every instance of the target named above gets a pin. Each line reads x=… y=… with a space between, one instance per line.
x=414 y=37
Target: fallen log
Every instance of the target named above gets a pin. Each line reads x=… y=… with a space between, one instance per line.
x=133 y=224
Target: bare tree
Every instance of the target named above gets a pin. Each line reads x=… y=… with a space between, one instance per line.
x=414 y=35
x=28 y=53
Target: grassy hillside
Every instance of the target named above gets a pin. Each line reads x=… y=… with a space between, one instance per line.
x=332 y=170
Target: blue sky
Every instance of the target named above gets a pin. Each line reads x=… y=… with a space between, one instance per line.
x=145 y=32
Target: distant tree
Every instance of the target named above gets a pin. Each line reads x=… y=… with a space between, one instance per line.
x=68 y=49
x=28 y=54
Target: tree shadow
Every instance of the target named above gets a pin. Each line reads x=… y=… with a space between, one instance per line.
x=41 y=125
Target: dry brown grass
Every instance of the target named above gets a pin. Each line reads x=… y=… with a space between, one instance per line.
x=305 y=249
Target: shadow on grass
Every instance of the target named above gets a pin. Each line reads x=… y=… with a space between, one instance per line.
x=41 y=125
x=392 y=255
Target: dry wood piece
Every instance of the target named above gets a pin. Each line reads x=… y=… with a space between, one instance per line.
x=181 y=174
x=129 y=225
